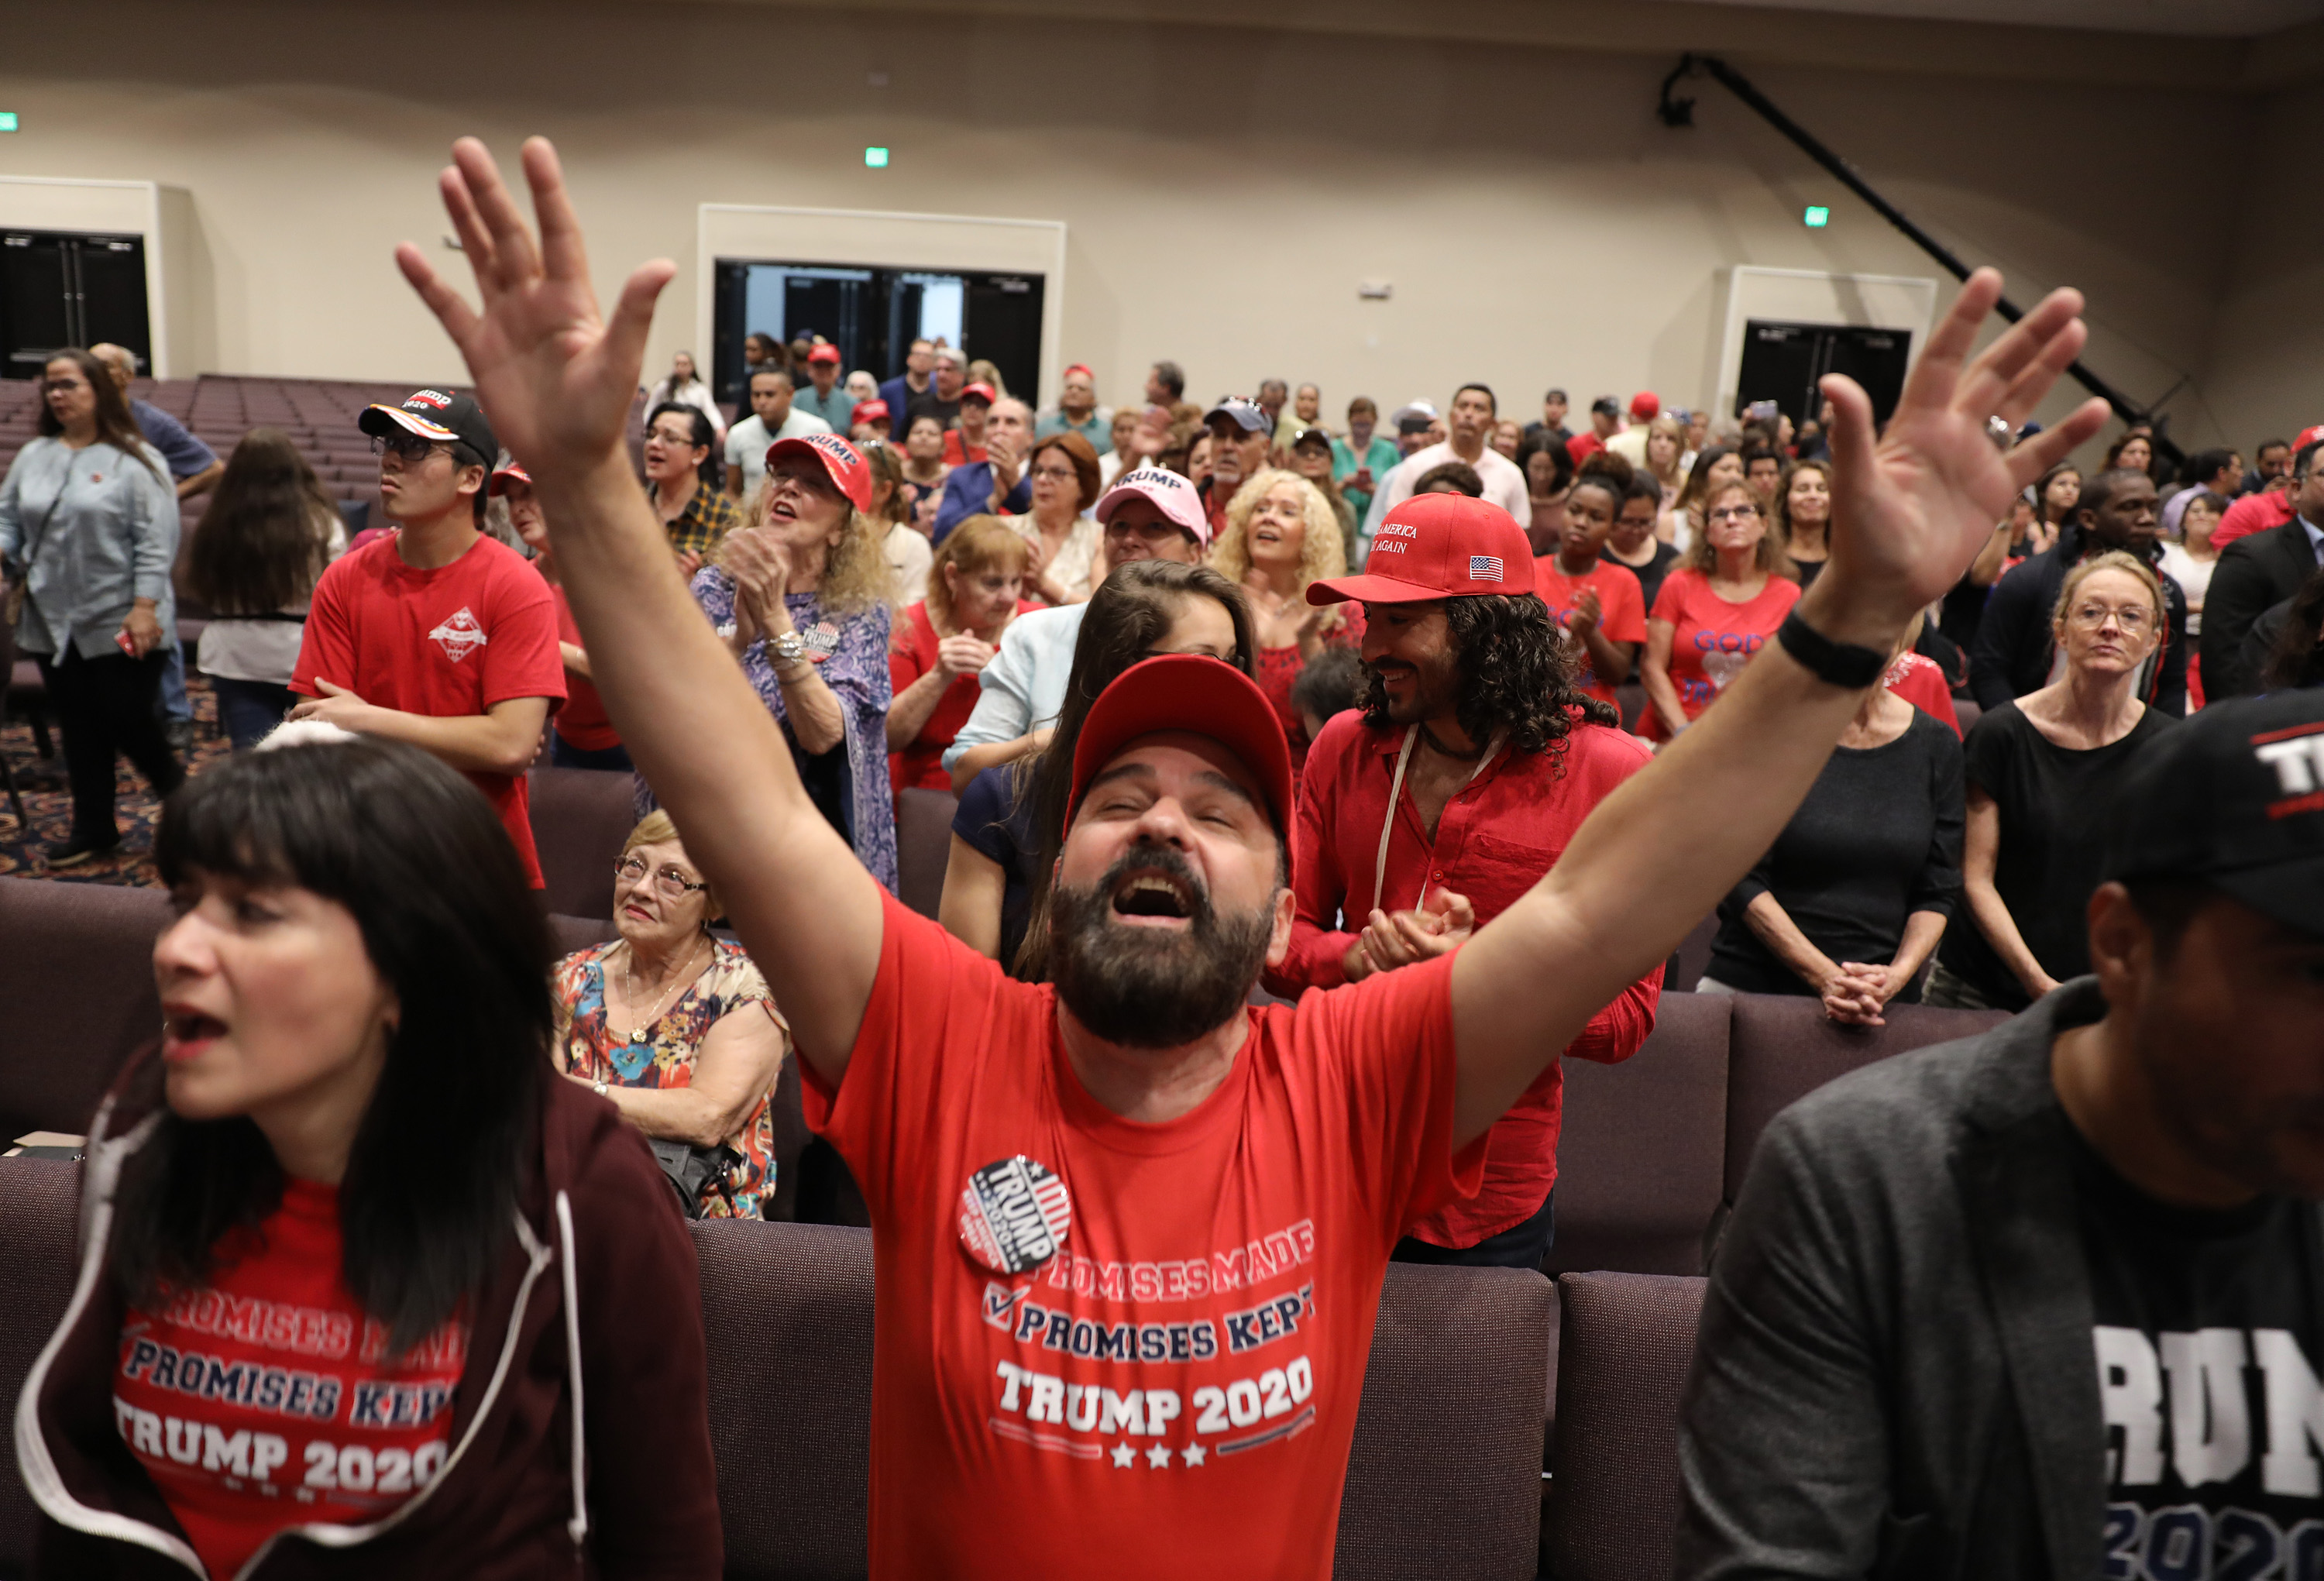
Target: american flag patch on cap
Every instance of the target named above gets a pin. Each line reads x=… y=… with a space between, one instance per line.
x=1485 y=568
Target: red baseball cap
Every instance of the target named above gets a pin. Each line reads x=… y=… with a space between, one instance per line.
x=980 y=391
x=824 y=354
x=511 y=474
x=2308 y=436
x=1646 y=404
x=843 y=463
x=1081 y=368
x=867 y=411
x=1437 y=546
x=1201 y=696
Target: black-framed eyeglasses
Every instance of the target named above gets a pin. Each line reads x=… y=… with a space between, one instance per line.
x=668 y=882
x=411 y=448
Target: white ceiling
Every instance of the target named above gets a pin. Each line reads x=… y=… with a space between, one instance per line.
x=2218 y=18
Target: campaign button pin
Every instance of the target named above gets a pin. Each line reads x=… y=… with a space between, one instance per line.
x=1013 y=1215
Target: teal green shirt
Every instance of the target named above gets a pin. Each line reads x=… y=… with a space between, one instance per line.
x=1379 y=455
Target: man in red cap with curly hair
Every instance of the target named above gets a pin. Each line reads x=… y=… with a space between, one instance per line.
x=1129 y=1230
x=1428 y=812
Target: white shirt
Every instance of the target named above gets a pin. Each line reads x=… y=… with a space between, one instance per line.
x=695 y=395
x=260 y=649
x=1504 y=481
x=909 y=557
x=1024 y=686
x=1070 y=568
x=747 y=442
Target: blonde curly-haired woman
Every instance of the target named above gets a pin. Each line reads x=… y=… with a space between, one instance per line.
x=1281 y=535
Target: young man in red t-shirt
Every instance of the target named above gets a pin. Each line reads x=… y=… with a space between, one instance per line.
x=435 y=634
x=1598 y=601
x=1432 y=811
x=1130 y=1231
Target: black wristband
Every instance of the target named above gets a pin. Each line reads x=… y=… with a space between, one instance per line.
x=1842 y=664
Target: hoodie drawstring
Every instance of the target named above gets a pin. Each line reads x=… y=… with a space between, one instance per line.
x=578 y=1527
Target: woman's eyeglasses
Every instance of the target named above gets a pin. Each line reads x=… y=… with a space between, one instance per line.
x=2131 y=618
x=668 y=882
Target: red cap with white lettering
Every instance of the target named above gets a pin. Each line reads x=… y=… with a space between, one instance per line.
x=1437 y=546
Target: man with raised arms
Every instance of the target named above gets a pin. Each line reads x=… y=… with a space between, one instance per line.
x=1130 y=1232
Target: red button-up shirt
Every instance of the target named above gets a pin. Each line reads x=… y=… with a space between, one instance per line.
x=1495 y=838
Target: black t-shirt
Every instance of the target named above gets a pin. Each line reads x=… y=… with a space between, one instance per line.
x=1650 y=574
x=1877 y=839
x=2207 y=1340
x=998 y=825
x=928 y=403
x=2052 y=802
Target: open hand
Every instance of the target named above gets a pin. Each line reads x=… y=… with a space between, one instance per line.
x=338 y=705
x=558 y=378
x=1911 y=509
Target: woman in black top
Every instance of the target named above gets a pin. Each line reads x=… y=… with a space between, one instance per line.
x=1633 y=542
x=2039 y=769
x=1856 y=892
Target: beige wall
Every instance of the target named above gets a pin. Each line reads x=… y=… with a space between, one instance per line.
x=1224 y=192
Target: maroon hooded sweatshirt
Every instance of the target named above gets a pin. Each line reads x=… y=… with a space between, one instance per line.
x=580 y=1436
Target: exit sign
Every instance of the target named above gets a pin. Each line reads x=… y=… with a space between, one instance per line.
x=7 y=120
x=1817 y=216
x=875 y=159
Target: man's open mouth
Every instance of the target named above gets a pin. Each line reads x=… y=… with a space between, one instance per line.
x=1153 y=895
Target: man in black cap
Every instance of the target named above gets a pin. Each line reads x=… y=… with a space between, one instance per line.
x=2050 y=1300
x=1242 y=436
x=436 y=634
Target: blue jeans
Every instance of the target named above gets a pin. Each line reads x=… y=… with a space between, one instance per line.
x=175 y=703
x=564 y=754
x=1521 y=1246
x=249 y=709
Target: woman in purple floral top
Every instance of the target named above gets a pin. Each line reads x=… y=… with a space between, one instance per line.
x=802 y=598
x=673 y=1025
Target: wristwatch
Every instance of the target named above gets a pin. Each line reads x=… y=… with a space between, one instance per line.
x=789 y=648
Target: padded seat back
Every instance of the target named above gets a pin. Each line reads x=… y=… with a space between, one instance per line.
x=1625 y=1342
x=37 y=1201
x=580 y=817
x=77 y=995
x=1445 y=1475
x=923 y=847
x=1783 y=1047
x=1639 y=1152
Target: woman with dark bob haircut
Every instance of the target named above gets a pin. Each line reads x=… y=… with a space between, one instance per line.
x=350 y=1253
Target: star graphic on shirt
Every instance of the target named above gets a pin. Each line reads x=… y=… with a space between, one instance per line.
x=1124 y=1456
x=1158 y=1456
x=1193 y=1454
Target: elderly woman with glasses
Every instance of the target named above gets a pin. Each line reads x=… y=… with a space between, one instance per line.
x=1064 y=472
x=802 y=598
x=676 y=1025
x=2037 y=768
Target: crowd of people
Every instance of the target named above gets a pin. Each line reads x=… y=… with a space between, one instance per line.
x=1467 y=718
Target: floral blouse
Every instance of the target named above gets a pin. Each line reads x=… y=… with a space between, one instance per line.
x=585 y=1049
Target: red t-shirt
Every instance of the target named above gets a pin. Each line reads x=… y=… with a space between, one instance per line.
x=1173 y=1392
x=264 y=1400
x=912 y=655
x=582 y=720
x=957 y=454
x=1621 y=609
x=446 y=642
x=1920 y=681
x=1278 y=669
x=1712 y=639
x=1583 y=445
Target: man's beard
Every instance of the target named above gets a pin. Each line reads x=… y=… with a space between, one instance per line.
x=1145 y=987
x=1434 y=693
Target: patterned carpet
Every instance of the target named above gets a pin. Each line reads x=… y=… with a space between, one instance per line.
x=49 y=806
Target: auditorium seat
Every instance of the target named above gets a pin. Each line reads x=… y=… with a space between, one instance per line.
x=923 y=847
x=1625 y=1342
x=1692 y=958
x=580 y=817
x=1444 y=1477
x=37 y=1197
x=77 y=995
x=1639 y=1152
x=1781 y=1047
x=578 y=932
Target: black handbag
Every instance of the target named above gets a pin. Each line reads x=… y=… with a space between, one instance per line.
x=689 y=1170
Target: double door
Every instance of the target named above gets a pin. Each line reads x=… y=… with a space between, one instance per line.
x=61 y=288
